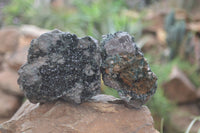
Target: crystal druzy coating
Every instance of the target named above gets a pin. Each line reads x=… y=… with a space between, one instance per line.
x=125 y=69
x=61 y=66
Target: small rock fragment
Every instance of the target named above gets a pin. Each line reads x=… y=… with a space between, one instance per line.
x=125 y=69
x=104 y=98
x=61 y=66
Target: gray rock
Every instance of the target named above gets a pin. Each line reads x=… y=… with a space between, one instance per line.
x=125 y=69
x=61 y=66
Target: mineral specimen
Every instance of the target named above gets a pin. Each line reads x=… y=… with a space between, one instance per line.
x=125 y=69
x=61 y=66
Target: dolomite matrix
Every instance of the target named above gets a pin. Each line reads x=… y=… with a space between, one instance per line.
x=61 y=66
x=125 y=69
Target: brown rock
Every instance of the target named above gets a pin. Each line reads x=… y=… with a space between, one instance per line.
x=1 y=61
x=181 y=14
x=32 y=31
x=179 y=88
x=158 y=17
x=12 y=37
x=85 y=118
x=3 y=119
x=147 y=43
x=198 y=93
x=194 y=26
x=28 y=33
x=16 y=59
x=182 y=116
x=8 y=82
x=9 y=38
x=8 y=104
x=57 y=4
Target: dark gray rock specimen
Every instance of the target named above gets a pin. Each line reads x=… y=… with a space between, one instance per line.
x=61 y=66
x=125 y=69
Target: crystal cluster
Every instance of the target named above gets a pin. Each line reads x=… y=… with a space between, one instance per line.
x=125 y=69
x=61 y=66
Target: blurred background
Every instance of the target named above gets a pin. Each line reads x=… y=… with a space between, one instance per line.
x=167 y=31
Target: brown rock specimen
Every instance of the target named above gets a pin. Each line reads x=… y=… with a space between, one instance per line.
x=179 y=88
x=88 y=117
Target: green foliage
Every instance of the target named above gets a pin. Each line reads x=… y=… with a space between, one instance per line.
x=189 y=70
x=159 y=105
x=51 y=19
x=169 y=21
x=108 y=91
x=161 y=125
x=98 y=18
x=163 y=70
x=18 y=12
x=187 y=5
x=175 y=33
x=93 y=18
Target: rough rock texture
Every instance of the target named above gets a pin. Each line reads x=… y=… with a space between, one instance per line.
x=60 y=65
x=89 y=117
x=179 y=88
x=125 y=69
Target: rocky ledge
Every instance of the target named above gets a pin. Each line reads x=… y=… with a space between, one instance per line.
x=89 y=117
